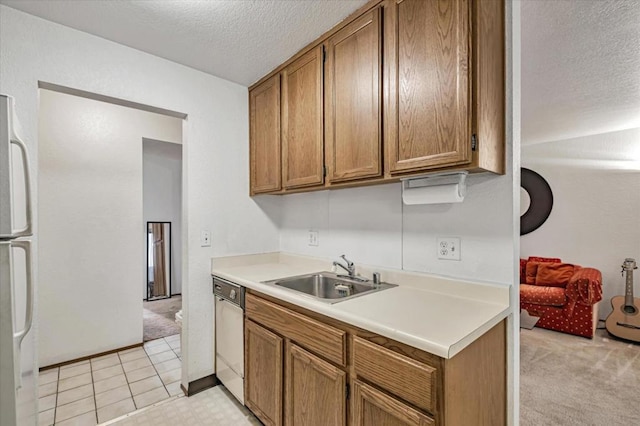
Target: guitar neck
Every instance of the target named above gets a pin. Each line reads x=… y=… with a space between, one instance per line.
x=628 y=293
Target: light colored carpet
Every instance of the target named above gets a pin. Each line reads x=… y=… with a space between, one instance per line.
x=159 y=317
x=570 y=380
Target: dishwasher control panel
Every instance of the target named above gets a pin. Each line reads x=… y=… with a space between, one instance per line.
x=229 y=291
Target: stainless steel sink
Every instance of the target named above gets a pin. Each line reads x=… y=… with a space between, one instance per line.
x=329 y=287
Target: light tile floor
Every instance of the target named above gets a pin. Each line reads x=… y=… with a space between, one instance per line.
x=104 y=388
x=213 y=407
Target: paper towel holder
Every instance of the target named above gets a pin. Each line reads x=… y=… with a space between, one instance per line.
x=457 y=179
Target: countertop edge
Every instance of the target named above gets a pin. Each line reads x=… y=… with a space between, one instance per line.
x=457 y=347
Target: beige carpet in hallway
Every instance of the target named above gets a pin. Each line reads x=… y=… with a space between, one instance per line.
x=570 y=380
x=159 y=317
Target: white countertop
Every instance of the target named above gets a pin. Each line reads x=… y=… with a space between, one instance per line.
x=438 y=315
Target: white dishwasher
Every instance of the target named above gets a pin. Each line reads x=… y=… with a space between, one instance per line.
x=229 y=305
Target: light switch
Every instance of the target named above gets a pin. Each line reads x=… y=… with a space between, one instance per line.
x=205 y=238
x=314 y=238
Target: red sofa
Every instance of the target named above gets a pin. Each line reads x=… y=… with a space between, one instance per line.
x=564 y=296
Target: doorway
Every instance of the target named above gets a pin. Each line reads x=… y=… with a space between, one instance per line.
x=585 y=147
x=92 y=257
x=162 y=213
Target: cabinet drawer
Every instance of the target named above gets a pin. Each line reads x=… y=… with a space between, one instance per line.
x=404 y=377
x=313 y=335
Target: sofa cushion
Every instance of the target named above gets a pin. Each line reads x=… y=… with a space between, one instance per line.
x=554 y=274
x=544 y=259
x=529 y=270
x=538 y=295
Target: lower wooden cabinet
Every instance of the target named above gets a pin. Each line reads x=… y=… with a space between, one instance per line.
x=298 y=364
x=373 y=407
x=263 y=373
x=315 y=389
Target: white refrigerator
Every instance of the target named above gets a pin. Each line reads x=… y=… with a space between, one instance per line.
x=18 y=367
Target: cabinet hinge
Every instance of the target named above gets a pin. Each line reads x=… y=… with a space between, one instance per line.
x=347 y=390
x=474 y=142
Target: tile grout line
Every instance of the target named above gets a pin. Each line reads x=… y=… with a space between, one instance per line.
x=126 y=379
x=93 y=385
x=71 y=402
x=176 y=354
x=55 y=407
x=156 y=370
x=174 y=351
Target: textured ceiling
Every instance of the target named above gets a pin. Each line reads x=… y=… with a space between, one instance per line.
x=612 y=150
x=238 y=40
x=580 y=68
x=580 y=58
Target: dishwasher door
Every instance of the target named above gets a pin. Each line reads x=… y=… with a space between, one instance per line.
x=230 y=346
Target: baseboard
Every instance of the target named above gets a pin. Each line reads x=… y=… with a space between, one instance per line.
x=162 y=298
x=84 y=358
x=201 y=384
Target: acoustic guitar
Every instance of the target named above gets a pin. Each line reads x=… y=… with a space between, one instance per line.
x=624 y=320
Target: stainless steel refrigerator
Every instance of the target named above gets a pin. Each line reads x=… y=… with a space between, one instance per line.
x=18 y=367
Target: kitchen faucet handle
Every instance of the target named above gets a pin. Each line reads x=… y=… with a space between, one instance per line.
x=349 y=263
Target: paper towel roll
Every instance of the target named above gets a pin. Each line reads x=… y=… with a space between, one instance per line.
x=439 y=194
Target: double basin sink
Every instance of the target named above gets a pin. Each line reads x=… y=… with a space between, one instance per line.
x=329 y=287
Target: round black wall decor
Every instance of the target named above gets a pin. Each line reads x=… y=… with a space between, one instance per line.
x=541 y=201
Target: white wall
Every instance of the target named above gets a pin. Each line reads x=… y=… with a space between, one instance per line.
x=371 y=225
x=483 y=222
x=595 y=220
x=215 y=147
x=90 y=220
x=162 y=198
x=364 y=223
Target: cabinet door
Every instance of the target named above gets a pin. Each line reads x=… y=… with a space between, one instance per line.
x=353 y=124
x=373 y=407
x=263 y=373
x=302 y=118
x=428 y=118
x=264 y=138
x=315 y=393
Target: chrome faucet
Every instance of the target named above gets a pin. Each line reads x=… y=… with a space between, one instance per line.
x=350 y=268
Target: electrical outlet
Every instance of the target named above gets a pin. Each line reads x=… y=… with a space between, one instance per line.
x=449 y=248
x=205 y=238
x=314 y=238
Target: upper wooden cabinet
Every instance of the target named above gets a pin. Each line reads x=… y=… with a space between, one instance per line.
x=264 y=136
x=302 y=121
x=353 y=100
x=400 y=88
x=427 y=76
